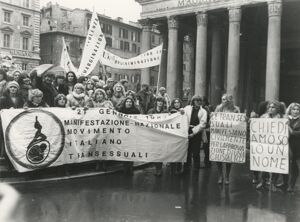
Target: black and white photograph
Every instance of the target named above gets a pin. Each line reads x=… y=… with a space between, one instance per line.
x=149 y=110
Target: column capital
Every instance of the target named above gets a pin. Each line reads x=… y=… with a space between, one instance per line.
x=146 y=24
x=235 y=14
x=201 y=18
x=275 y=8
x=173 y=22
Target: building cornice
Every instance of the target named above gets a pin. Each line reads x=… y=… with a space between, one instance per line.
x=61 y=32
x=20 y=7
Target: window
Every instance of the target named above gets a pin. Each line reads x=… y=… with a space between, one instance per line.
x=138 y=37
x=26 y=3
x=6 y=41
x=133 y=47
x=7 y=16
x=106 y=28
x=126 y=46
x=123 y=33
x=121 y=45
x=25 y=20
x=108 y=41
x=24 y=66
x=25 y=43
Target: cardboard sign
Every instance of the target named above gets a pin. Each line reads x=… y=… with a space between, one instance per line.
x=269 y=145
x=228 y=137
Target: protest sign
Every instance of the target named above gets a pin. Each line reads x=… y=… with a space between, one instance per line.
x=269 y=147
x=228 y=137
x=93 y=48
x=65 y=61
x=145 y=60
x=56 y=136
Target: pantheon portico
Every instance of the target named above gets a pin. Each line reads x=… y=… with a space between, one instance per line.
x=237 y=46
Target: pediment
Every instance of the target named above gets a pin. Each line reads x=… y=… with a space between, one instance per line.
x=26 y=33
x=6 y=29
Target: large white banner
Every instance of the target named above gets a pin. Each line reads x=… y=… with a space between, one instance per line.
x=269 y=146
x=228 y=137
x=56 y=136
x=65 y=61
x=145 y=60
x=93 y=49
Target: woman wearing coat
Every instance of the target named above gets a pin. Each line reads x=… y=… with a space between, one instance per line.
x=197 y=117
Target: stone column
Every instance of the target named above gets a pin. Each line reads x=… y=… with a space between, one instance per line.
x=179 y=77
x=163 y=29
x=201 y=45
x=273 y=51
x=216 y=77
x=172 y=56
x=192 y=63
x=235 y=15
x=145 y=46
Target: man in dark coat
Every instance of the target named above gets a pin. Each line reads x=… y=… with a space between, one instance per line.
x=46 y=86
x=146 y=99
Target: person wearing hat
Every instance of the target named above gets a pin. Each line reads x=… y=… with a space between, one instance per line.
x=109 y=83
x=159 y=107
x=95 y=79
x=11 y=97
x=35 y=99
x=77 y=98
x=46 y=86
x=100 y=100
x=163 y=92
x=119 y=95
x=197 y=119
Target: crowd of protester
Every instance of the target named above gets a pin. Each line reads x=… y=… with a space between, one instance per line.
x=55 y=90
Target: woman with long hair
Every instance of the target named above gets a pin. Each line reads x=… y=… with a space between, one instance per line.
x=99 y=100
x=274 y=111
x=159 y=105
x=176 y=106
x=293 y=114
x=128 y=107
x=226 y=106
x=71 y=80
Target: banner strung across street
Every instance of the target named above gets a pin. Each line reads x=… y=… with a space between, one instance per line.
x=56 y=136
x=228 y=137
x=65 y=61
x=145 y=60
x=269 y=146
x=93 y=48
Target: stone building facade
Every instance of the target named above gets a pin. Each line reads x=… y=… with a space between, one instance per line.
x=247 y=48
x=122 y=39
x=20 y=31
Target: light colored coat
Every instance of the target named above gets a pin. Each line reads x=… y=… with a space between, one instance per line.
x=202 y=116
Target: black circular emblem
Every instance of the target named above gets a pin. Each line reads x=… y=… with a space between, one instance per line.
x=35 y=138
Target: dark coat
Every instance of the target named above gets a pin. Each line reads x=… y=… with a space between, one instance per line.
x=294 y=139
x=146 y=101
x=49 y=91
x=6 y=102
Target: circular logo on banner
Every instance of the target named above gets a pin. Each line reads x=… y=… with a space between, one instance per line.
x=35 y=138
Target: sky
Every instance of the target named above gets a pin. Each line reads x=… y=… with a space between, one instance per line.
x=129 y=10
